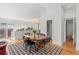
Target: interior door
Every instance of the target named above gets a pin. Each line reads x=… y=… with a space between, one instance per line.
x=49 y=28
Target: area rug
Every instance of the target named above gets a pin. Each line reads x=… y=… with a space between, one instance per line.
x=18 y=49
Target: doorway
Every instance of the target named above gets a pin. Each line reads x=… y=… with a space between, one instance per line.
x=49 y=28
x=69 y=30
x=10 y=32
x=70 y=33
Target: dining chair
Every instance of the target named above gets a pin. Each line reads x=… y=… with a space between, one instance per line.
x=49 y=40
x=30 y=45
x=44 y=42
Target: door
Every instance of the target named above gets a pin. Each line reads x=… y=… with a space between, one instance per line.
x=49 y=28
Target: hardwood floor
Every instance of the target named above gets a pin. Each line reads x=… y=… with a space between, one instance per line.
x=69 y=48
x=69 y=45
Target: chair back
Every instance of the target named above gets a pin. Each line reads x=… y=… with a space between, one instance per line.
x=29 y=42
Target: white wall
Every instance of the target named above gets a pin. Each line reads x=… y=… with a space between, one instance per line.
x=77 y=26
x=53 y=13
x=70 y=13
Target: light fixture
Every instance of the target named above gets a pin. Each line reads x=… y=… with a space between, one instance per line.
x=34 y=20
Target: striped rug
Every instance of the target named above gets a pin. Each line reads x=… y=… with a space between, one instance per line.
x=18 y=49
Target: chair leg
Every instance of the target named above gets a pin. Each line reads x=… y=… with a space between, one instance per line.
x=36 y=48
x=24 y=47
x=28 y=50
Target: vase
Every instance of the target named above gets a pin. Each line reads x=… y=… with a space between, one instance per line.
x=34 y=37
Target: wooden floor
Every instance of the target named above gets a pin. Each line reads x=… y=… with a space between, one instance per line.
x=69 y=48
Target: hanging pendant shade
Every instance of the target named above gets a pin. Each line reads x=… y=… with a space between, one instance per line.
x=34 y=20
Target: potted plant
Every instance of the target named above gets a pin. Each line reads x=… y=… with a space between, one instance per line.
x=34 y=31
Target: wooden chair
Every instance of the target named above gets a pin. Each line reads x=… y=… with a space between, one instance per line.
x=29 y=44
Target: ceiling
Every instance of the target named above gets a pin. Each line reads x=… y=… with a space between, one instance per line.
x=25 y=11
x=68 y=6
x=21 y=11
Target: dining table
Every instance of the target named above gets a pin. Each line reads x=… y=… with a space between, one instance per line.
x=38 y=39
